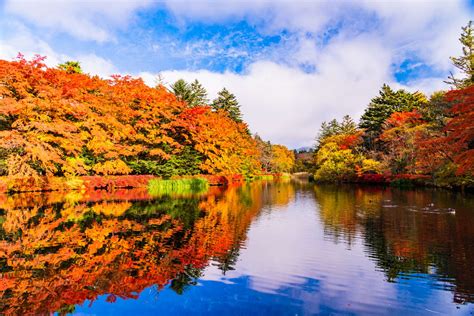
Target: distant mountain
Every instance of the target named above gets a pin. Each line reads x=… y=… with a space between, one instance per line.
x=304 y=149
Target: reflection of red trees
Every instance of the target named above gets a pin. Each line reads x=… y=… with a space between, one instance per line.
x=55 y=256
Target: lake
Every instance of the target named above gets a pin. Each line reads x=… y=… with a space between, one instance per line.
x=280 y=248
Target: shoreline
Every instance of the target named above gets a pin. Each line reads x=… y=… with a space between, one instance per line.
x=13 y=185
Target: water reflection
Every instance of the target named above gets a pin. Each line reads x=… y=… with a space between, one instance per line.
x=407 y=232
x=264 y=247
x=59 y=252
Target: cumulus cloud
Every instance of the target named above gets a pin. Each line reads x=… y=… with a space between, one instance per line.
x=428 y=29
x=86 y=20
x=21 y=39
x=287 y=105
x=24 y=41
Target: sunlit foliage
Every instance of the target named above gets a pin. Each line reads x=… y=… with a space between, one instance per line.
x=58 y=121
x=408 y=139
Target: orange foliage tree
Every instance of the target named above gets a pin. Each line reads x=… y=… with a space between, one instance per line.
x=400 y=135
x=57 y=122
x=226 y=146
x=283 y=159
x=460 y=130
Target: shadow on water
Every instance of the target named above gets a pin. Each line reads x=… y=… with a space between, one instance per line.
x=59 y=251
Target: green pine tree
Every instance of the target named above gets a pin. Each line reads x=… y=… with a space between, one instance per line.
x=347 y=126
x=381 y=107
x=193 y=94
x=387 y=102
x=71 y=67
x=227 y=102
x=181 y=90
x=198 y=94
x=465 y=62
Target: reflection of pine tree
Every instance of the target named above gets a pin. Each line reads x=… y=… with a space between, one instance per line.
x=380 y=250
x=228 y=261
x=185 y=279
x=66 y=309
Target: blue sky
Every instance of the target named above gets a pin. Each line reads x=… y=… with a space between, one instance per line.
x=292 y=64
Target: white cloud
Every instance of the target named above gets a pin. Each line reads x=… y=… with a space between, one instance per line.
x=286 y=105
x=428 y=29
x=24 y=41
x=86 y=20
x=21 y=39
x=96 y=65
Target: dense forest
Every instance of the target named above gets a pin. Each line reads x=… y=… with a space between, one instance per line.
x=61 y=122
x=405 y=137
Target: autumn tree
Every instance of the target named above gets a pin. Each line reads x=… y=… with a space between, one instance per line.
x=334 y=163
x=265 y=152
x=465 y=62
x=225 y=145
x=436 y=111
x=62 y=123
x=381 y=107
x=333 y=127
x=400 y=134
x=283 y=159
x=460 y=130
x=338 y=155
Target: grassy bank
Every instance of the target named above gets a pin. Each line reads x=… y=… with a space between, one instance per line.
x=177 y=186
x=112 y=183
x=272 y=176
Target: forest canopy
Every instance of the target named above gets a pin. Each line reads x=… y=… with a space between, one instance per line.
x=405 y=137
x=62 y=122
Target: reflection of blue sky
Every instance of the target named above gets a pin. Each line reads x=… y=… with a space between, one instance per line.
x=288 y=266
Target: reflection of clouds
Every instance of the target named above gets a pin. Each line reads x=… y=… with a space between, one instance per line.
x=287 y=254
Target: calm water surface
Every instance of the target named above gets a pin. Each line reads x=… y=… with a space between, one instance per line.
x=262 y=248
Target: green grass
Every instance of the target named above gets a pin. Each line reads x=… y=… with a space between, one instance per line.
x=270 y=177
x=159 y=187
x=266 y=177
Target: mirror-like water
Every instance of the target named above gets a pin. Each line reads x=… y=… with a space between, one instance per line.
x=274 y=248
